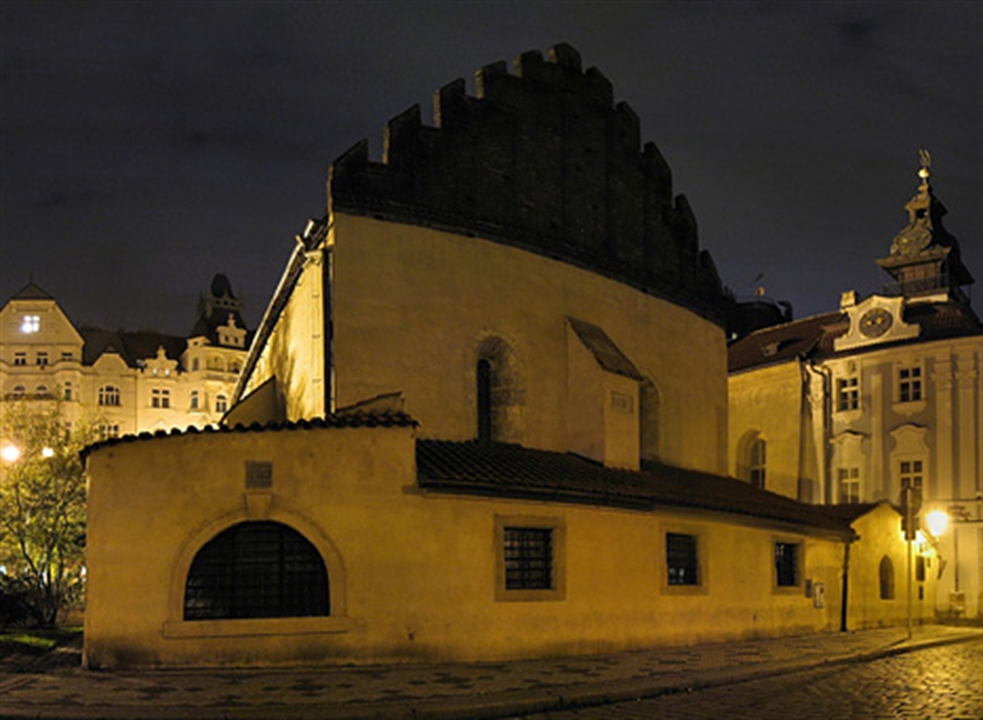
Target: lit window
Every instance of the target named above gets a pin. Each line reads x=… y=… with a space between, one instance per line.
x=786 y=564
x=681 y=559
x=109 y=395
x=847 y=393
x=221 y=403
x=20 y=358
x=528 y=558
x=849 y=479
x=909 y=384
x=30 y=324
x=257 y=570
x=757 y=461
x=42 y=358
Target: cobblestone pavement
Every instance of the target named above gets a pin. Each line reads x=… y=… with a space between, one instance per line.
x=941 y=683
x=56 y=688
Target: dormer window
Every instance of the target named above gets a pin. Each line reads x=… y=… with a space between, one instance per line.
x=30 y=324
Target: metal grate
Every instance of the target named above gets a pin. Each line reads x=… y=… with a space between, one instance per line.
x=528 y=558
x=681 y=559
x=256 y=570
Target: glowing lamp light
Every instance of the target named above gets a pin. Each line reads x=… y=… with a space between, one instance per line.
x=938 y=521
x=47 y=452
x=10 y=453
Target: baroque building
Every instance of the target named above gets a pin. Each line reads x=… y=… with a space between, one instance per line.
x=126 y=381
x=484 y=416
x=852 y=405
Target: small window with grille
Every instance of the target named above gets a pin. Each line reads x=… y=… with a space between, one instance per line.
x=681 y=559
x=528 y=558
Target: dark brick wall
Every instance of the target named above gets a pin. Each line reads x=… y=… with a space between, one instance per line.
x=541 y=159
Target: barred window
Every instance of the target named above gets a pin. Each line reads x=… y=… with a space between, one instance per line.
x=257 y=570
x=681 y=559
x=528 y=558
x=786 y=564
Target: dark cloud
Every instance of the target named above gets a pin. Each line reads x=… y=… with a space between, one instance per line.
x=147 y=145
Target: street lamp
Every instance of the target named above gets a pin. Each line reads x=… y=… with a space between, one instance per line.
x=938 y=521
x=10 y=453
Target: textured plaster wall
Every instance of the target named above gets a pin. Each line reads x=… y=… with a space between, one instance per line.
x=412 y=305
x=768 y=403
x=412 y=575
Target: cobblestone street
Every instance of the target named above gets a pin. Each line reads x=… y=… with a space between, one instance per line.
x=942 y=683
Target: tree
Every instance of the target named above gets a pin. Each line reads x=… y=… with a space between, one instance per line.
x=42 y=507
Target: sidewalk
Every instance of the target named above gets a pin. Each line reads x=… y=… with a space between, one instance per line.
x=454 y=690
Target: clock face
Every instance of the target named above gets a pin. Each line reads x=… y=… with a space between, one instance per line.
x=875 y=323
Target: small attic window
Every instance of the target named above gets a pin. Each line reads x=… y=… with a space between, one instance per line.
x=30 y=324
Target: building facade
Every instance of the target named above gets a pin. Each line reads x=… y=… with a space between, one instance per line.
x=851 y=406
x=484 y=416
x=127 y=382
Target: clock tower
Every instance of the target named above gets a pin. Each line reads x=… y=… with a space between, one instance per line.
x=925 y=260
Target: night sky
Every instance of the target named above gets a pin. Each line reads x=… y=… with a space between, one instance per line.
x=146 y=146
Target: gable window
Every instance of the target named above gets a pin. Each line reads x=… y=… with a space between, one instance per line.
x=886 y=574
x=221 y=403
x=20 y=358
x=257 y=570
x=42 y=358
x=849 y=481
x=30 y=324
x=787 y=564
x=847 y=393
x=757 y=461
x=681 y=559
x=109 y=395
x=909 y=384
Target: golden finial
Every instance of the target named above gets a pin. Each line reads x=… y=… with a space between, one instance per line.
x=925 y=157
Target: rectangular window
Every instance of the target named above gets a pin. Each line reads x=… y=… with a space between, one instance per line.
x=681 y=559
x=849 y=479
x=911 y=474
x=528 y=558
x=920 y=568
x=66 y=357
x=20 y=358
x=847 y=393
x=786 y=564
x=909 y=384
x=160 y=398
x=42 y=358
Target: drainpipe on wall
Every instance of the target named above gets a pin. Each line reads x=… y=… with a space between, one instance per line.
x=846 y=586
x=827 y=377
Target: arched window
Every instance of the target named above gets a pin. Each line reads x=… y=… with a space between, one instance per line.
x=109 y=395
x=498 y=396
x=886 y=573
x=19 y=391
x=756 y=463
x=41 y=390
x=257 y=570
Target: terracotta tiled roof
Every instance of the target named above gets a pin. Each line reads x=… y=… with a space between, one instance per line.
x=499 y=469
x=348 y=420
x=606 y=353
x=813 y=336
